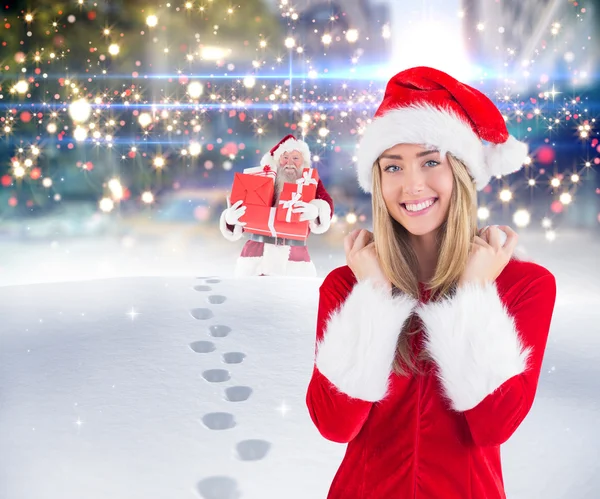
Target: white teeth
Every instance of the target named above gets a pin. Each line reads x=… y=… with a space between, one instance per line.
x=420 y=206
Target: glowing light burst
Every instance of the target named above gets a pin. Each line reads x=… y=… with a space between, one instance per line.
x=132 y=314
x=250 y=91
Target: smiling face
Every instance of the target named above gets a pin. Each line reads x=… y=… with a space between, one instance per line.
x=416 y=185
x=291 y=159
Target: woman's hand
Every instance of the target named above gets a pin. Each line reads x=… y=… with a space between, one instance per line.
x=489 y=255
x=362 y=258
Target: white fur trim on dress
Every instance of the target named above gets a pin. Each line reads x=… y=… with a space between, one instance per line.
x=324 y=217
x=443 y=129
x=474 y=342
x=230 y=235
x=294 y=145
x=358 y=349
x=301 y=269
x=273 y=262
x=247 y=266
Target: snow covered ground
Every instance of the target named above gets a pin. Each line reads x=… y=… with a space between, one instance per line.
x=171 y=385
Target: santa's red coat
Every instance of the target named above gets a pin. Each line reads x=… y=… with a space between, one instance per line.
x=258 y=258
x=437 y=434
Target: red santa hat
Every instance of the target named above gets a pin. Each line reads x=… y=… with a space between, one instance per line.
x=287 y=144
x=426 y=106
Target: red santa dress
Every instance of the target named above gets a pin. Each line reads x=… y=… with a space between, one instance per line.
x=436 y=434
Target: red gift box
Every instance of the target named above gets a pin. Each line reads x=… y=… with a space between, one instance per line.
x=262 y=220
x=305 y=189
x=252 y=190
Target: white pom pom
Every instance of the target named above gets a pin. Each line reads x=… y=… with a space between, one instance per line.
x=503 y=159
x=268 y=160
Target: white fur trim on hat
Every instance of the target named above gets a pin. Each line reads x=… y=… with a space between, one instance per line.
x=507 y=158
x=230 y=235
x=268 y=160
x=324 y=217
x=440 y=128
x=474 y=342
x=358 y=347
x=294 y=145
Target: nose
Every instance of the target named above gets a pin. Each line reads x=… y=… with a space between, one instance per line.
x=414 y=181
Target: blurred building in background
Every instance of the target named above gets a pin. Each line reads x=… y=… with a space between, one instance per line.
x=519 y=40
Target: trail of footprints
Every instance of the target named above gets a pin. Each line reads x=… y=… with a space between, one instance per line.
x=223 y=487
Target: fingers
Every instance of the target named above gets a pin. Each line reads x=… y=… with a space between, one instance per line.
x=238 y=204
x=511 y=238
x=363 y=239
x=479 y=241
x=349 y=241
x=494 y=237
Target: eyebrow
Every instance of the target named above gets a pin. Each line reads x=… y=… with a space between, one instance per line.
x=397 y=156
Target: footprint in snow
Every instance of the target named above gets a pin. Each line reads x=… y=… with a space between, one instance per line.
x=219 y=421
x=213 y=281
x=218 y=331
x=218 y=487
x=234 y=357
x=216 y=375
x=238 y=393
x=202 y=314
x=216 y=299
x=203 y=346
x=202 y=287
x=252 y=450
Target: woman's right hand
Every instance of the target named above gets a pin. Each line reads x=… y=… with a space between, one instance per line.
x=361 y=257
x=490 y=253
x=234 y=213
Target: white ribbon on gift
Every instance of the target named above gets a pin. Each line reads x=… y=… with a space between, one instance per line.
x=272 y=222
x=261 y=171
x=289 y=204
x=306 y=179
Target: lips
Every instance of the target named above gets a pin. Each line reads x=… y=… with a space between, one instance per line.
x=422 y=211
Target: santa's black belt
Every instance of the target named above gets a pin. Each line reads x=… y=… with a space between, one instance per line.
x=279 y=241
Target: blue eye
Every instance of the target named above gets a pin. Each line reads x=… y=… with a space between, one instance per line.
x=435 y=163
x=388 y=168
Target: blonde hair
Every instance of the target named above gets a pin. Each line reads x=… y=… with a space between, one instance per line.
x=399 y=261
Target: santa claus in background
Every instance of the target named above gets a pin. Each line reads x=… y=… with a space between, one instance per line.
x=266 y=255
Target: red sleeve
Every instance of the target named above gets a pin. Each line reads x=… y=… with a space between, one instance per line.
x=337 y=416
x=358 y=326
x=496 y=417
x=324 y=195
x=489 y=350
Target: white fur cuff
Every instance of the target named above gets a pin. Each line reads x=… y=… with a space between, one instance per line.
x=324 y=217
x=359 y=344
x=474 y=342
x=230 y=235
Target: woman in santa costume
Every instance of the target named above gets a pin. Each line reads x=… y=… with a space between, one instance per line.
x=265 y=255
x=430 y=341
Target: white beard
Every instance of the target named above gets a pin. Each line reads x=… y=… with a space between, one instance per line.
x=284 y=176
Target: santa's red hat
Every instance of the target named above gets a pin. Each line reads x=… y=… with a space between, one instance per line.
x=428 y=107
x=287 y=144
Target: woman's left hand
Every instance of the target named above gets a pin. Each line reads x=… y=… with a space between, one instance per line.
x=488 y=255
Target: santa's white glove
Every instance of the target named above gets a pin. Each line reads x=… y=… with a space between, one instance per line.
x=309 y=211
x=234 y=213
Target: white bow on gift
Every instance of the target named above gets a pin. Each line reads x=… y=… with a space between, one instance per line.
x=306 y=178
x=289 y=204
